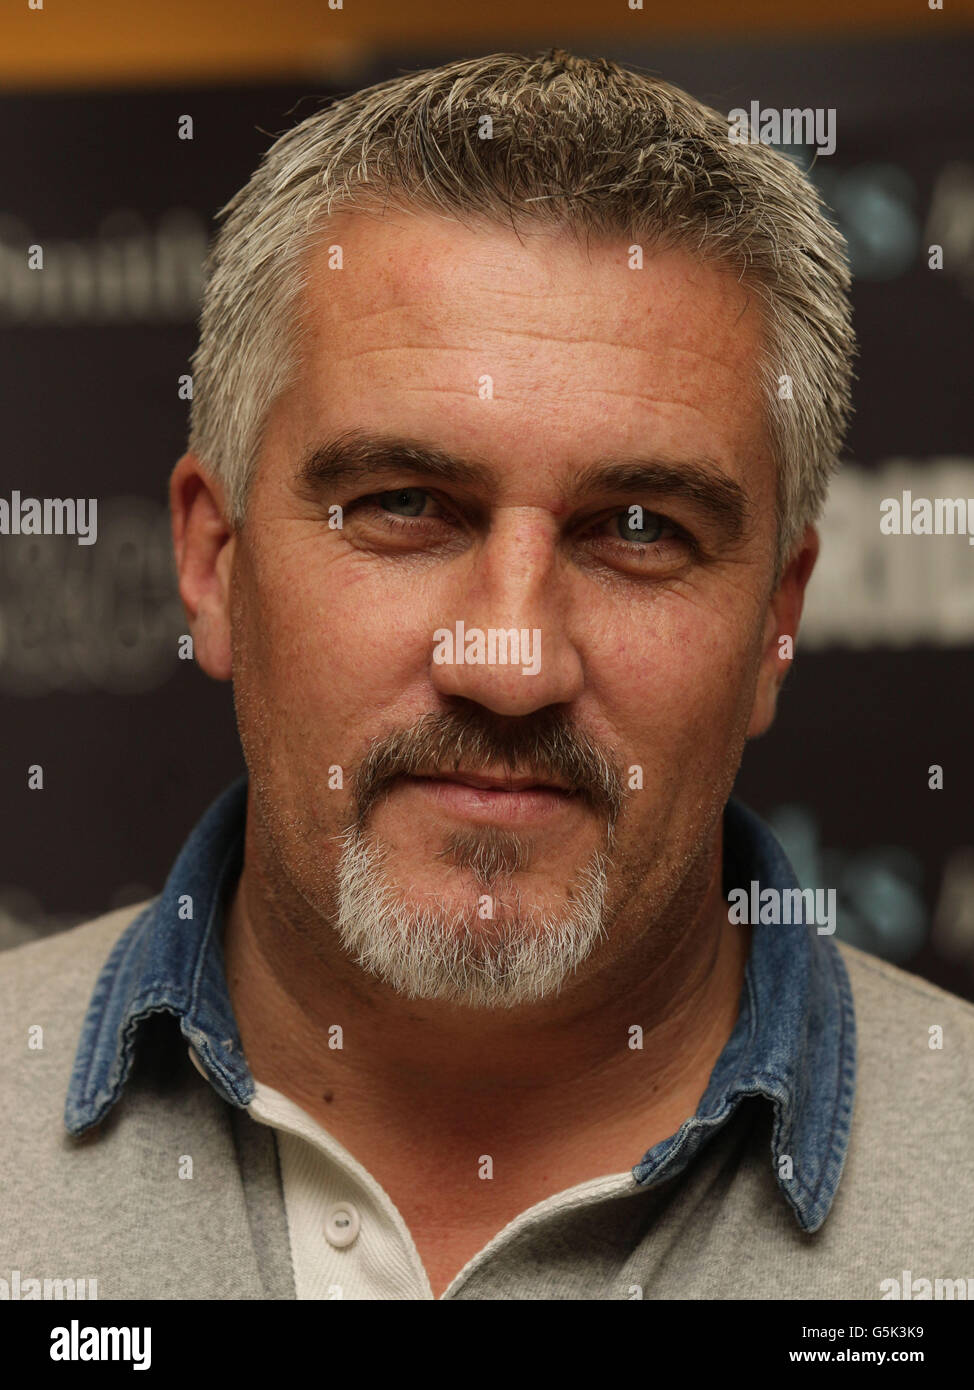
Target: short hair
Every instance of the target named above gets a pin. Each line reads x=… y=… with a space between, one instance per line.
x=578 y=143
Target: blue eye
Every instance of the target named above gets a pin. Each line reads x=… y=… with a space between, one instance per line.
x=636 y=524
x=410 y=501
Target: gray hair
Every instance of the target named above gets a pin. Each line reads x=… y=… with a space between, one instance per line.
x=577 y=143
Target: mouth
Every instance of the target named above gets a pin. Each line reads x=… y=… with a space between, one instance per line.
x=486 y=782
x=494 y=799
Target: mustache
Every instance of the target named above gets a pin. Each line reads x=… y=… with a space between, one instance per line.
x=543 y=745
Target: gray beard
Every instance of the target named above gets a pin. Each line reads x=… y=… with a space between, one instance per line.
x=432 y=953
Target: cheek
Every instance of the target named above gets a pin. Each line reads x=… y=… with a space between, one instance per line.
x=682 y=687
x=326 y=647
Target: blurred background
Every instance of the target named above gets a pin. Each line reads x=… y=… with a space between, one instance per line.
x=135 y=743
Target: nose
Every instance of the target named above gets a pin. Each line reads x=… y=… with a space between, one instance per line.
x=503 y=638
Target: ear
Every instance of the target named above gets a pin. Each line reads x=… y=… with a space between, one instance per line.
x=784 y=615
x=204 y=545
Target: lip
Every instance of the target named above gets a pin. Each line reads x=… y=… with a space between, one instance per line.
x=496 y=782
x=494 y=800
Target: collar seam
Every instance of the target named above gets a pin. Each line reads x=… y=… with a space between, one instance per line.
x=836 y=1151
x=190 y=1025
x=206 y=938
x=100 y=1102
x=96 y=1006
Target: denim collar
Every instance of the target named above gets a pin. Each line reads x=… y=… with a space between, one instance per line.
x=793 y=1043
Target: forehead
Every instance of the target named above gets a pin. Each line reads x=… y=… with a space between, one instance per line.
x=536 y=349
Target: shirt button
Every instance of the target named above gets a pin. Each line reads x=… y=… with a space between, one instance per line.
x=197 y=1063
x=341 y=1225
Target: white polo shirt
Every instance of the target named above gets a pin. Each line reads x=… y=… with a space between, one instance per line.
x=348 y=1239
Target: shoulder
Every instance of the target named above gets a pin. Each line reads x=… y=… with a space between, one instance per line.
x=46 y=987
x=892 y=1004
x=57 y=965
x=913 y=1113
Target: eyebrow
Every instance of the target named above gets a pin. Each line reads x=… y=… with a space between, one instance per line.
x=357 y=455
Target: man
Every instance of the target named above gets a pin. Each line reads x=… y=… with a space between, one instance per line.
x=519 y=388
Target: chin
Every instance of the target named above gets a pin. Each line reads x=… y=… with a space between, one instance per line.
x=485 y=947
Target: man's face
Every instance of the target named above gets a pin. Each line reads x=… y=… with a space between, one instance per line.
x=650 y=649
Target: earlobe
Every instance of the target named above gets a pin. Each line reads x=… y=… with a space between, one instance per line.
x=765 y=703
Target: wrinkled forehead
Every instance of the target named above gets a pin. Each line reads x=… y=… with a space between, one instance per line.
x=428 y=268
x=535 y=347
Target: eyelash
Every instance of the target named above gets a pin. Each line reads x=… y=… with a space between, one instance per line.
x=398 y=523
